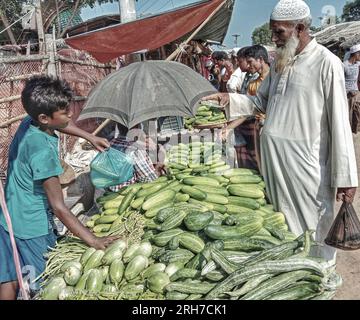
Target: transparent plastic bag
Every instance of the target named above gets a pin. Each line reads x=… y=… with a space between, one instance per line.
x=111 y=167
x=344 y=234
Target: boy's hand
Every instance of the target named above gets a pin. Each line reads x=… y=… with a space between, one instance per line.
x=102 y=243
x=100 y=144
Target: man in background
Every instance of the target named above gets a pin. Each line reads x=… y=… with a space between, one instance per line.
x=226 y=68
x=352 y=79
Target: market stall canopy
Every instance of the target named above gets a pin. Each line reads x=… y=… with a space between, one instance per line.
x=342 y=35
x=155 y=31
x=147 y=90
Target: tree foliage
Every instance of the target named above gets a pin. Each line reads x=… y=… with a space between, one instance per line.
x=262 y=35
x=12 y=11
x=351 y=11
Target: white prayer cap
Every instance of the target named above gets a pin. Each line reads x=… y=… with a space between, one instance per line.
x=355 y=49
x=290 y=10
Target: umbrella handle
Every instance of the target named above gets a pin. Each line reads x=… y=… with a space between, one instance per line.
x=102 y=126
x=97 y=130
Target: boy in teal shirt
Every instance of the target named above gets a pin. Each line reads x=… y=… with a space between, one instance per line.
x=33 y=190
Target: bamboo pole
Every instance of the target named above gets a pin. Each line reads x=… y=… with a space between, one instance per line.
x=22 y=116
x=57 y=15
x=102 y=126
x=51 y=51
x=13 y=98
x=174 y=54
x=21 y=77
x=6 y=25
x=84 y=63
x=35 y=57
x=39 y=26
x=12 y=120
x=10 y=99
x=97 y=130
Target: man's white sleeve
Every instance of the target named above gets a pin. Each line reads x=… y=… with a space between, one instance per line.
x=342 y=154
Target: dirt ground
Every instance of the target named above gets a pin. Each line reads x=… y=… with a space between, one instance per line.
x=348 y=262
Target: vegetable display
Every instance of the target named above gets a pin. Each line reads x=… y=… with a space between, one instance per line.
x=198 y=233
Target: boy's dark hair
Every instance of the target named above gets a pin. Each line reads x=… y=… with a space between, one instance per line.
x=220 y=55
x=241 y=52
x=45 y=94
x=257 y=52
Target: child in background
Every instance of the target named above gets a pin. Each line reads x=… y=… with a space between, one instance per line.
x=33 y=191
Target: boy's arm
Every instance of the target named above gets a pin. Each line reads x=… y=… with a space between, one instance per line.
x=54 y=194
x=99 y=143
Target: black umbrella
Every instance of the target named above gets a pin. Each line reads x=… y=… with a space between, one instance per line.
x=146 y=90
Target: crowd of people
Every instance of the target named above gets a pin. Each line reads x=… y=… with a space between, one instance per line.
x=243 y=71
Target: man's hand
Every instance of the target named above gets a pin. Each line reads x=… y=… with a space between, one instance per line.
x=102 y=243
x=100 y=144
x=222 y=98
x=346 y=194
x=352 y=94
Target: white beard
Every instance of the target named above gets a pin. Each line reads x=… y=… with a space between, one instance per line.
x=286 y=54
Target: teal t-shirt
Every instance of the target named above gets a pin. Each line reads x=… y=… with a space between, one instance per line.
x=33 y=157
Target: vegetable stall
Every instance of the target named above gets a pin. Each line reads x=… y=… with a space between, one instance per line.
x=204 y=231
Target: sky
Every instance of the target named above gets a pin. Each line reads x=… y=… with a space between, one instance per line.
x=247 y=14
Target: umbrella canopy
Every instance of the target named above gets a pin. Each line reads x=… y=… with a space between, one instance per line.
x=147 y=90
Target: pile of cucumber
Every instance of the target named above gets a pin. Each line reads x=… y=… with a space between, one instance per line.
x=196 y=158
x=207 y=235
x=214 y=236
x=103 y=274
x=206 y=114
x=220 y=240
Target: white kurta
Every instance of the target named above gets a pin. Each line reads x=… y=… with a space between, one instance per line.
x=306 y=144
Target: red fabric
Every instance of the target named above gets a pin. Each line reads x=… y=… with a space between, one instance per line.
x=145 y=34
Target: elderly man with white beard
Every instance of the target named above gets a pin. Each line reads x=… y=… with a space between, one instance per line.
x=307 y=149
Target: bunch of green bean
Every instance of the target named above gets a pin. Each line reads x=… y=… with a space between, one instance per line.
x=66 y=249
x=71 y=248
